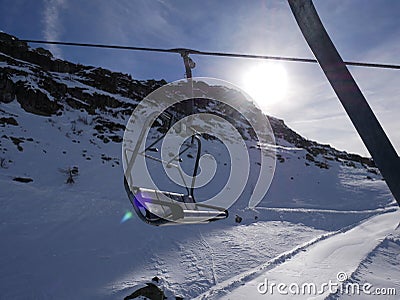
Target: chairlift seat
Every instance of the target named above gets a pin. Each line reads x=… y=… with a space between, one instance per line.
x=167 y=208
x=163 y=208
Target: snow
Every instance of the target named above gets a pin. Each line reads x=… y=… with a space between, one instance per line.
x=64 y=241
x=322 y=262
x=380 y=268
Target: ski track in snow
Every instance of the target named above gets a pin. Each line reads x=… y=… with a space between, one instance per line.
x=380 y=269
x=330 y=211
x=211 y=251
x=315 y=262
x=191 y=266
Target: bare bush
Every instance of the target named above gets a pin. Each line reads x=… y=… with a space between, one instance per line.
x=85 y=120
x=3 y=163
x=72 y=173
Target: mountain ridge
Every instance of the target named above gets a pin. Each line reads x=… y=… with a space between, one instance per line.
x=39 y=83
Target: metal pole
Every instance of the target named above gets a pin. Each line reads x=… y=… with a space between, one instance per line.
x=186 y=61
x=188 y=106
x=349 y=94
x=188 y=72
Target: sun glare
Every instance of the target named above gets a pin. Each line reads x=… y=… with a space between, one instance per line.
x=266 y=83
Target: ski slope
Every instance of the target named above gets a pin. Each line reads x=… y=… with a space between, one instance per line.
x=333 y=259
x=380 y=268
x=61 y=241
x=67 y=241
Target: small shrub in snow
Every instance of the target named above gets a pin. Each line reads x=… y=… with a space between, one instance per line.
x=71 y=173
x=3 y=163
x=73 y=126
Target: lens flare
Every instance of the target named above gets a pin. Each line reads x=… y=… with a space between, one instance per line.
x=126 y=217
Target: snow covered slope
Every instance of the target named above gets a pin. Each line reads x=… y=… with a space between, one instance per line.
x=67 y=241
x=331 y=260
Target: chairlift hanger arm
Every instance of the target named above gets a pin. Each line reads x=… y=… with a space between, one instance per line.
x=189 y=64
x=170 y=120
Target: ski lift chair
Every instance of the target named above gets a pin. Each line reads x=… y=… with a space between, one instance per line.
x=168 y=208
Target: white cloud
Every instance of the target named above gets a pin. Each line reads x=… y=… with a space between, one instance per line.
x=139 y=22
x=52 y=26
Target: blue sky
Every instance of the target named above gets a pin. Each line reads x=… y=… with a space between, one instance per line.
x=361 y=30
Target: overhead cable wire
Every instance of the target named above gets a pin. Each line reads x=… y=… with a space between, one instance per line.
x=209 y=53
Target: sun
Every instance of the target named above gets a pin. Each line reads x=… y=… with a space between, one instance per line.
x=266 y=83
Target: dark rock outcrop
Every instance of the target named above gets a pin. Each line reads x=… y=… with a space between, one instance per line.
x=7 y=88
x=12 y=46
x=35 y=101
x=9 y=121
